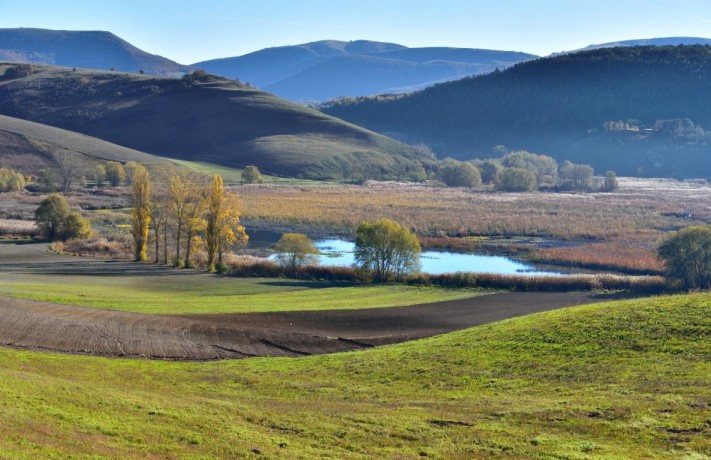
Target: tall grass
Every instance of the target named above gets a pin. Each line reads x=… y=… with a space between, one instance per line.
x=649 y=284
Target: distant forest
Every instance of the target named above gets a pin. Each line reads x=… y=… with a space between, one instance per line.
x=637 y=110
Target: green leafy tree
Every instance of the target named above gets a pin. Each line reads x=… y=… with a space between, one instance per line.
x=459 y=174
x=115 y=173
x=294 y=250
x=687 y=256
x=516 y=180
x=251 y=175
x=387 y=249
x=56 y=221
x=489 y=170
x=99 y=175
x=544 y=167
x=141 y=211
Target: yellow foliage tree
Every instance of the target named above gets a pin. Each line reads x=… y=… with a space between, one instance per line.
x=141 y=214
x=222 y=228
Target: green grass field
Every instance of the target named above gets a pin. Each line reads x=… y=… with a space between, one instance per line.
x=201 y=293
x=618 y=380
x=233 y=176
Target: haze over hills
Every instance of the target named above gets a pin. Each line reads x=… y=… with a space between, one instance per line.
x=205 y=118
x=637 y=110
x=326 y=69
x=82 y=49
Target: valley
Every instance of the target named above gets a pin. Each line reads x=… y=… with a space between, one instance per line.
x=355 y=248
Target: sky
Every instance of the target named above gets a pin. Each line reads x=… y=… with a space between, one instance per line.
x=189 y=31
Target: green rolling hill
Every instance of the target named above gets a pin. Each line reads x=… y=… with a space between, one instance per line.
x=206 y=118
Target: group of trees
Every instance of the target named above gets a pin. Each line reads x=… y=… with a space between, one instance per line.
x=71 y=167
x=185 y=210
x=57 y=221
x=522 y=171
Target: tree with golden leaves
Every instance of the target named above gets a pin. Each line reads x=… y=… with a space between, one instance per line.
x=222 y=222
x=141 y=214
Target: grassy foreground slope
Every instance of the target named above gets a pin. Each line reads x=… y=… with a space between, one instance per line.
x=617 y=380
x=206 y=119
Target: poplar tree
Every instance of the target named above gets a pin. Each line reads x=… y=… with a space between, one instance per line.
x=141 y=215
x=222 y=228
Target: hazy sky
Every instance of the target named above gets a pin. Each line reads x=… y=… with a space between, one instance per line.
x=190 y=31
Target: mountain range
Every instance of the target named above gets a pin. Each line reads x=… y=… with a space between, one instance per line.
x=327 y=69
x=641 y=110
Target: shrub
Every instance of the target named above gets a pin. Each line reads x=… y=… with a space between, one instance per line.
x=56 y=221
x=251 y=175
x=516 y=180
x=459 y=174
x=11 y=181
x=575 y=176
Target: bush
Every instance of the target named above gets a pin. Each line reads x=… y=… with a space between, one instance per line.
x=251 y=175
x=576 y=176
x=516 y=180
x=56 y=221
x=11 y=181
x=459 y=174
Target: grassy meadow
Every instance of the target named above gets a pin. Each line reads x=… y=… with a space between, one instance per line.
x=172 y=292
x=617 y=380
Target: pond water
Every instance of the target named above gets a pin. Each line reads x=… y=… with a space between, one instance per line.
x=340 y=252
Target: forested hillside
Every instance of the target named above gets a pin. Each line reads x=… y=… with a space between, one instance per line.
x=638 y=110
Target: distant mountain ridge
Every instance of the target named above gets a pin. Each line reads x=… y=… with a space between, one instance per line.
x=662 y=41
x=328 y=69
x=640 y=110
x=82 y=49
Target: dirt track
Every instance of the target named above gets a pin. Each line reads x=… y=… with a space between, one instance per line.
x=41 y=325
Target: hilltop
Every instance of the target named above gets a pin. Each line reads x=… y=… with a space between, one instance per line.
x=200 y=118
x=641 y=110
x=326 y=69
x=82 y=49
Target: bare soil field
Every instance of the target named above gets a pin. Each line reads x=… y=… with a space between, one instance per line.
x=66 y=328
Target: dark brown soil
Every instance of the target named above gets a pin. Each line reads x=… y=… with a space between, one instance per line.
x=390 y=325
x=41 y=325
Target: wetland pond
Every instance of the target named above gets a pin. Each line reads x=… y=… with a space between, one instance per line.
x=337 y=251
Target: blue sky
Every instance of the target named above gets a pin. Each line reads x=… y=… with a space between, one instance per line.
x=190 y=31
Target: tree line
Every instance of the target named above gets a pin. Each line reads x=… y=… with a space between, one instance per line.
x=523 y=171
x=182 y=211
